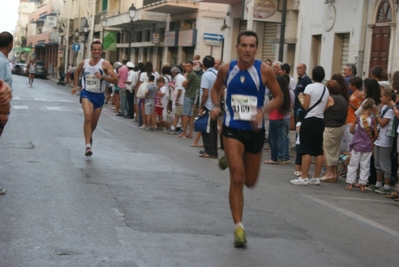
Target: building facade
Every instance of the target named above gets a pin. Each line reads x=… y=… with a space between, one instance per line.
x=329 y=33
x=360 y=32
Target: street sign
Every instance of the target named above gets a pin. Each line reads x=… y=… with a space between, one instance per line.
x=212 y=36
x=212 y=42
x=155 y=38
x=76 y=47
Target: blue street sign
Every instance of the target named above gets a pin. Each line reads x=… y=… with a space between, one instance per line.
x=213 y=36
x=76 y=47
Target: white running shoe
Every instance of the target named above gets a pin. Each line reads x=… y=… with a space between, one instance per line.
x=300 y=181
x=314 y=181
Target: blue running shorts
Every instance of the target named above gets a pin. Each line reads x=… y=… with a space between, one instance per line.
x=97 y=99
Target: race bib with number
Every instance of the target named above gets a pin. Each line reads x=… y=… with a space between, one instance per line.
x=92 y=83
x=244 y=107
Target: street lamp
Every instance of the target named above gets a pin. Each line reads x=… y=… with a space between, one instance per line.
x=132 y=14
x=76 y=33
x=86 y=30
x=103 y=24
x=61 y=34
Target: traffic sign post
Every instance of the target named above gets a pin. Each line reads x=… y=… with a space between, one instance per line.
x=76 y=47
x=213 y=39
x=213 y=36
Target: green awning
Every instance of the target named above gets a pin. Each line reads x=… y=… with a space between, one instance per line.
x=22 y=49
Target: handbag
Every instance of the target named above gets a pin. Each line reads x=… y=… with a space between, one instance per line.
x=201 y=123
x=141 y=91
x=301 y=113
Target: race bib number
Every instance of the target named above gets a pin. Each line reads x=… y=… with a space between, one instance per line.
x=92 y=82
x=244 y=107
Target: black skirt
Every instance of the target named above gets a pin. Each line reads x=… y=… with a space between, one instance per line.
x=311 y=136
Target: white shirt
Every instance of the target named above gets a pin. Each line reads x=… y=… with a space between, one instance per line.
x=132 y=76
x=383 y=140
x=179 y=79
x=165 y=98
x=292 y=84
x=315 y=90
x=144 y=76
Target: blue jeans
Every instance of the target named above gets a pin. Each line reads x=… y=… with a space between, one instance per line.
x=277 y=138
x=284 y=141
x=124 y=108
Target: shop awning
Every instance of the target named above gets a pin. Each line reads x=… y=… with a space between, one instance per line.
x=22 y=49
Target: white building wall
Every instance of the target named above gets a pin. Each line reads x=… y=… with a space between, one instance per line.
x=352 y=16
x=348 y=19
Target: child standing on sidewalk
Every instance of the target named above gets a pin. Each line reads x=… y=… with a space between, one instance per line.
x=298 y=158
x=383 y=144
x=364 y=130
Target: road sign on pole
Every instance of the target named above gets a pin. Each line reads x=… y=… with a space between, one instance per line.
x=213 y=36
x=76 y=47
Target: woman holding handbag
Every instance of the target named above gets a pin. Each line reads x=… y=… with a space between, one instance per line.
x=313 y=101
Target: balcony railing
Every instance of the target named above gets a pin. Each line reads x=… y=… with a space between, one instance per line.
x=152 y=2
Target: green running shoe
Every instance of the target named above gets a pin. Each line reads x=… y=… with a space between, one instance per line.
x=223 y=164
x=239 y=238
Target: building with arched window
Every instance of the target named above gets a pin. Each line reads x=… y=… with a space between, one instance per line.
x=340 y=32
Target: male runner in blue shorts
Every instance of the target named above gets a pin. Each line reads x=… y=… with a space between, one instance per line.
x=95 y=73
x=243 y=129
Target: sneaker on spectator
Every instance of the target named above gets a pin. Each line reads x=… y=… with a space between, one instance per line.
x=393 y=195
x=314 y=181
x=283 y=162
x=383 y=191
x=300 y=181
x=372 y=188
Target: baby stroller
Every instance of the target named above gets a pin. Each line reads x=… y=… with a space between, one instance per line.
x=62 y=78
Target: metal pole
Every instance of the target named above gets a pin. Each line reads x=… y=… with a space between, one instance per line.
x=66 y=35
x=103 y=38
x=221 y=57
x=130 y=39
x=250 y=19
x=282 y=32
x=91 y=34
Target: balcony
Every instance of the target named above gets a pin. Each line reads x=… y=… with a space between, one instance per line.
x=170 y=6
x=38 y=39
x=227 y=2
x=41 y=13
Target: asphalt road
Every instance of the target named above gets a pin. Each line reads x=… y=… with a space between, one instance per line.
x=146 y=199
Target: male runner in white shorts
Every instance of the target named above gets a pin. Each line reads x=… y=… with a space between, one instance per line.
x=95 y=73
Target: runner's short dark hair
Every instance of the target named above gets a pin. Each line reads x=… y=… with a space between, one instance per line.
x=247 y=33
x=95 y=42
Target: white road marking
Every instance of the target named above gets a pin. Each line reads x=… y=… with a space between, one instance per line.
x=355 y=216
x=43 y=99
x=19 y=107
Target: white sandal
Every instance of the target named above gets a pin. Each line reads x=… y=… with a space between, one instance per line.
x=297 y=173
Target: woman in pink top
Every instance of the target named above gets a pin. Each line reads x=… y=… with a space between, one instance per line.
x=276 y=123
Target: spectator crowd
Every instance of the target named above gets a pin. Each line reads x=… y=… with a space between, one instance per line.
x=349 y=125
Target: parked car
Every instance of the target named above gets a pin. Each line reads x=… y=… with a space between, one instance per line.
x=20 y=69
x=41 y=71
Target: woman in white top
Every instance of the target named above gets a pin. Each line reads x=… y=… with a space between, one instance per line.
x=312 y=128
